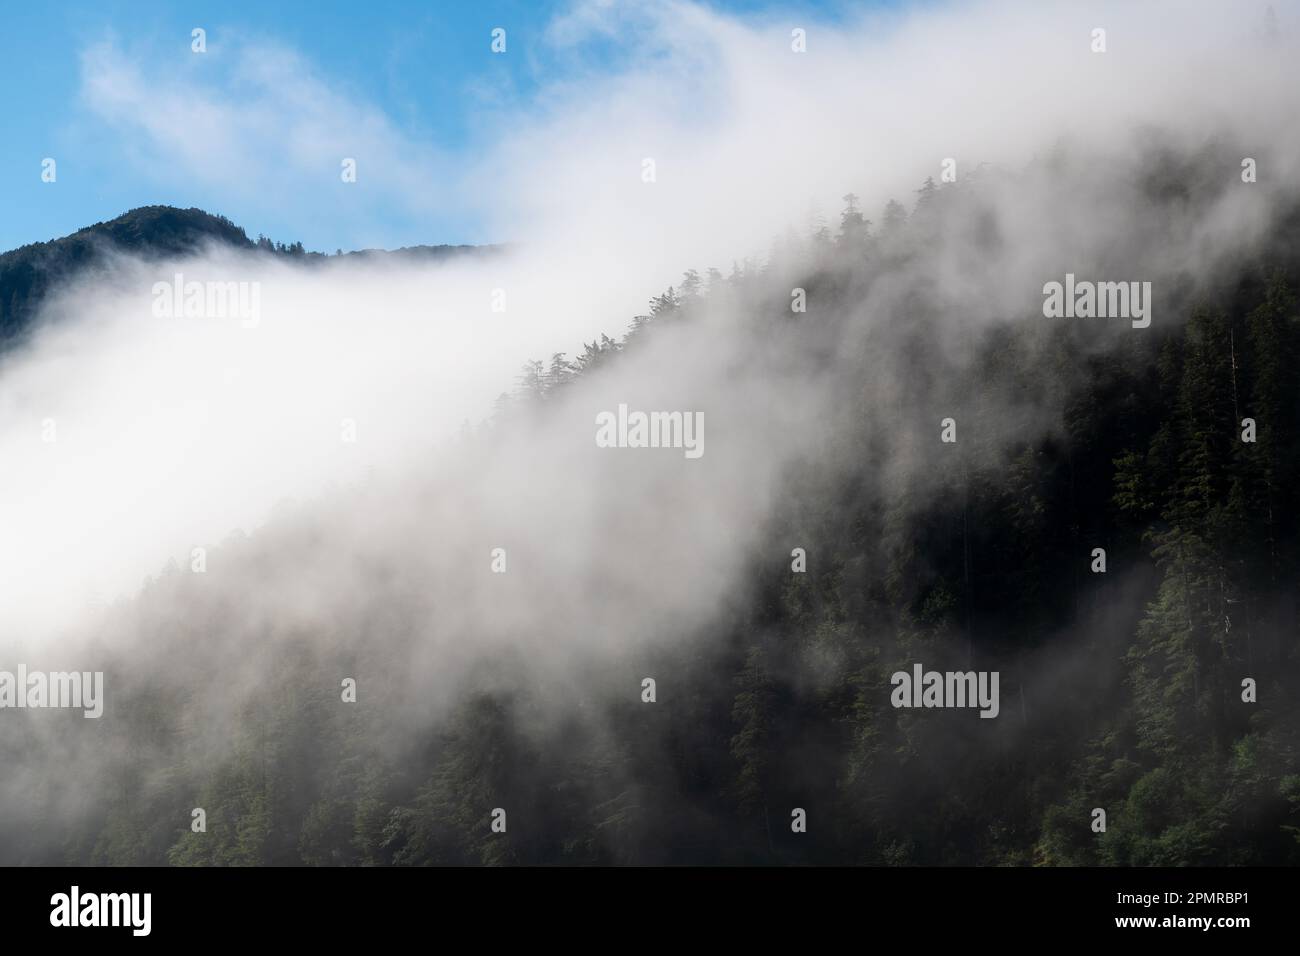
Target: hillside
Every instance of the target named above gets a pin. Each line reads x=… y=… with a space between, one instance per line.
x=1122 y=687
x=28 y=273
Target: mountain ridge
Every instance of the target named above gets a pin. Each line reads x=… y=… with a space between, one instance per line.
x=28 y=273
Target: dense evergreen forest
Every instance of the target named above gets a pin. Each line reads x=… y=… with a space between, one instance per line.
x=1120 y=690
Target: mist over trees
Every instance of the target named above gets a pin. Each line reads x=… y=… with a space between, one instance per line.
x=1120 y=689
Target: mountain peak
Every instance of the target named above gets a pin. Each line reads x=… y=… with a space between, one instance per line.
x=28 y=273
x=165 y=230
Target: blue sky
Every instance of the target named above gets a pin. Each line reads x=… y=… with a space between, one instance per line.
x=104 y=88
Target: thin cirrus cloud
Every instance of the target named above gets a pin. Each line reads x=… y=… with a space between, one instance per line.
x=257 y=126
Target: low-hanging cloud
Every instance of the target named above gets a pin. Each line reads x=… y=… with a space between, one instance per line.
x=173 y=432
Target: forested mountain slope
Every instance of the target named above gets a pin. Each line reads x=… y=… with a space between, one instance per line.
x=1120 y=690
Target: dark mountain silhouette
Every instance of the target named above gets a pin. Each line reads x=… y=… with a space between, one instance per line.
x=28 y=273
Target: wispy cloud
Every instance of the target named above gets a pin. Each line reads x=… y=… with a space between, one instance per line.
x=254 y=121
